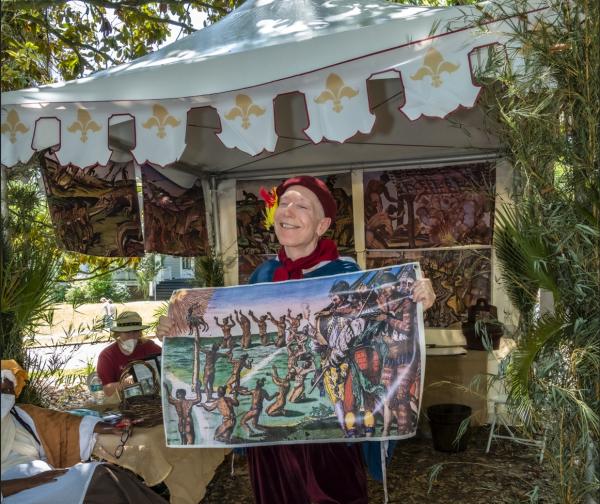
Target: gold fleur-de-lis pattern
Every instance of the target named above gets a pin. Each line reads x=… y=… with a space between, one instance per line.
x=335 y=90
x=84 y=124
x=433 y=66
x=244 y=108
x=12 y=126
x=161 y=119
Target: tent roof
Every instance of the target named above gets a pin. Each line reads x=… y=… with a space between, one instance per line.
x=327 y=52
x=262 y=41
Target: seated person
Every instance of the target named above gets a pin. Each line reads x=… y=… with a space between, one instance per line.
x=129 y=346
x=43 y=450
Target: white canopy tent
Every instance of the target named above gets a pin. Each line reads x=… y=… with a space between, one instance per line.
x=278 y=88
x=244 y=66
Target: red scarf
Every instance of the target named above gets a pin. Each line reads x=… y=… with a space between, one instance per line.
x=290 y=270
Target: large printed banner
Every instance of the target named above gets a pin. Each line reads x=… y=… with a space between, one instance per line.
x=422 y=208
x=174 y=214
x=94 y=211
x=338 y=358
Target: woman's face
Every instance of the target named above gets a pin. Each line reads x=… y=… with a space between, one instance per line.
x=128 y=340
x=299 y=221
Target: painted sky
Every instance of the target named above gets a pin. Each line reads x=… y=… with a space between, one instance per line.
x=277 y=298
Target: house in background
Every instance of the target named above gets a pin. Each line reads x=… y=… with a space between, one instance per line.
x=177 y=273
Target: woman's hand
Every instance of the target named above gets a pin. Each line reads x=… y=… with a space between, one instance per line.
x=423 y=293
x=165 y=327
x=13 y=486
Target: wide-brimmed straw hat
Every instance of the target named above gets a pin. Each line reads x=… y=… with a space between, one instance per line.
x=128 y=321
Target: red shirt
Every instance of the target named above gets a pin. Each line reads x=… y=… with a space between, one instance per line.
x=112 y=361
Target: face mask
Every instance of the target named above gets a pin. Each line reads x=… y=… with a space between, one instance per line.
x=8 y=401
x=128 y=346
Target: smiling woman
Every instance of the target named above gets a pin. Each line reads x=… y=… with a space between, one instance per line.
x=310 y=472
x=306 y=210
x=305 y=473
x=299 y=221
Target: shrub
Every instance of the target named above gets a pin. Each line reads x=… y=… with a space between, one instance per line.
x=209 y=271
x=76 y=294
x=60 y=291
x=120 y=292
x=92 y=290
x=99 y=287
x=547 y=238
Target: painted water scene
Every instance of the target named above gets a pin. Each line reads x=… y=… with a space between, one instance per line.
x=338 y=358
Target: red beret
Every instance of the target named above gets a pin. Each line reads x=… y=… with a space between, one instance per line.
x=317 y=186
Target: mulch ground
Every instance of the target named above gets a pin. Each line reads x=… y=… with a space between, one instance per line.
x=510 y=473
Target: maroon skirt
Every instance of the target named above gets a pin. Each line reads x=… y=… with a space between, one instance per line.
x=325 y=473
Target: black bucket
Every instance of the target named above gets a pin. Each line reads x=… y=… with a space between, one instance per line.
x=445 y=421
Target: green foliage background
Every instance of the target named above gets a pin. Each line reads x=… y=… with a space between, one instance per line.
x=548 y=237
x=44 y=41
x=92 y=290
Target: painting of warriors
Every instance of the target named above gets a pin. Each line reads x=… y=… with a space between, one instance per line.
x=336 y=358
x=95 y=210
x=174 y=213
x=459 y=278
x=437 y=207
x=255 y=239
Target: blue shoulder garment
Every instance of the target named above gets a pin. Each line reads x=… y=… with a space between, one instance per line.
x=265 y=272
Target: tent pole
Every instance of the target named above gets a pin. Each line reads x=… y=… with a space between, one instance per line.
x=214 y=201
x=3 y=192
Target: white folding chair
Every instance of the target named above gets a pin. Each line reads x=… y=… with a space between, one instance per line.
x=502 y=419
